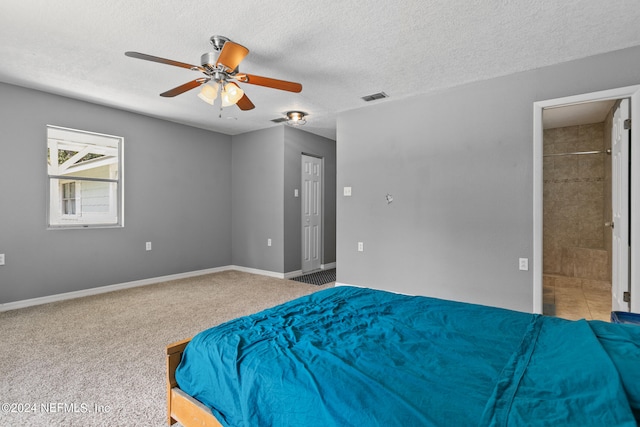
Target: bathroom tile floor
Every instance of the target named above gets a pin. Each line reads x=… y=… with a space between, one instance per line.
x=574 y=298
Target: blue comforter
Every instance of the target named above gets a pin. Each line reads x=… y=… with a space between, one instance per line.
x=359 y=357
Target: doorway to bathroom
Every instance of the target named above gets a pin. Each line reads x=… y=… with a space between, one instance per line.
x=577 y=210
x=577 y=240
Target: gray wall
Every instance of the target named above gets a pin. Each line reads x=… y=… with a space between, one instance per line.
x=178 y=183
x=266 y=171
x=177 y=195
x=258 y=215
x=459 y=166
x=297 y=142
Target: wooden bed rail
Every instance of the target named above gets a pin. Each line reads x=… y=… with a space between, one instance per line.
x=174 y=355
x=180 y=406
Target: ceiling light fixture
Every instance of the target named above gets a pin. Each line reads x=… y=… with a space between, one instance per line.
x=209 y=92
x=231 y=94
x=296 y=118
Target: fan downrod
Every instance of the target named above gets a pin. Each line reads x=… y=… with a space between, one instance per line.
x=218 y=42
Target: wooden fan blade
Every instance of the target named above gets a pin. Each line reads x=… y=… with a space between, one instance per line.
x=231 y=55
x=269 y=82
x=245 y=103
x=146 y=57
x=183 y=88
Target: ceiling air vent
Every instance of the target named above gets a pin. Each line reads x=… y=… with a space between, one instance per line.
x=280 y=120
x=375 y=96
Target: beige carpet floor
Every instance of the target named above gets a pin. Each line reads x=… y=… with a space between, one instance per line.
x=99 y=360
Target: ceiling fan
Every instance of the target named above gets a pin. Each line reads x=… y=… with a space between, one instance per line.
x=219 y=68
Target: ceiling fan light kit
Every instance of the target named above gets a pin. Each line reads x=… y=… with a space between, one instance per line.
x=219 y=68
x=231 y=94
x=209 y=92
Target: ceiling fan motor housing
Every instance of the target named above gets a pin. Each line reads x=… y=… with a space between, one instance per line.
x=208 y=60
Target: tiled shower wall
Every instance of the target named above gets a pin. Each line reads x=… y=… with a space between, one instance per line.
x=577 y=203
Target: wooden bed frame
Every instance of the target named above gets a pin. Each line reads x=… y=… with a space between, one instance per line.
x=181 y=407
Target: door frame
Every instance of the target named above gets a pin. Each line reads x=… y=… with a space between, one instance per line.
x=632 y=92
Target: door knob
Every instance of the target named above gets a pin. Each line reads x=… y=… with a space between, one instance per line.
x=609 y=224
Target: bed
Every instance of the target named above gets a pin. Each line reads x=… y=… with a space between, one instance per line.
x=355 y=356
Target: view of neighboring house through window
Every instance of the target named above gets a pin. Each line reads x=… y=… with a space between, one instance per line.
x=85 y=179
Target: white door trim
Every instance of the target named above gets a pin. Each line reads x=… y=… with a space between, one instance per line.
x=620 y=206
x=632 y=92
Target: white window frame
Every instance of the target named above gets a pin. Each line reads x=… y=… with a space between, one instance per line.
x=56 y=178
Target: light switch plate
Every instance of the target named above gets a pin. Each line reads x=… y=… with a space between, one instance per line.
x=523 y=264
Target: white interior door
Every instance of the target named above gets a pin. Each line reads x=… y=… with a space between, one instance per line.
x=311 y=213
x=620 y=205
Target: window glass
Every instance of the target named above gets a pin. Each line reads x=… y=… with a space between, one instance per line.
x=85 y=178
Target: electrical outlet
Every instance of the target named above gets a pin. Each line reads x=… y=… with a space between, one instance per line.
x=524 y=264
x=1 y=259
x=347 y=191
x=148 y=246
x=268 y=242
x=360 y=247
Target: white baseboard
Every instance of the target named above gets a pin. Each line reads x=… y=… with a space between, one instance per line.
x=257 y=271
x=367 y=287
x=108 y=288
x=328 y=266
x=346 y=284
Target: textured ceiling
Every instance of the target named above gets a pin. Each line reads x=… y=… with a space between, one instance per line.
x=339 y=50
